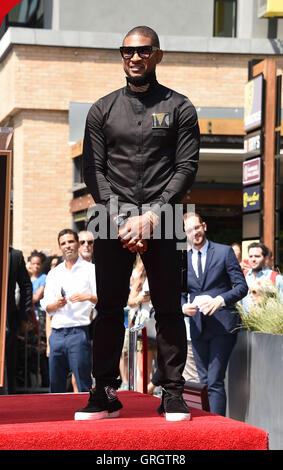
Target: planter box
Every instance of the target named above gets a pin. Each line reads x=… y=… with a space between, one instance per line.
x=254 y=383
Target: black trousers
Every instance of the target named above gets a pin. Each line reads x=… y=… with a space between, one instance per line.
x=114 y=266
x=11 y=357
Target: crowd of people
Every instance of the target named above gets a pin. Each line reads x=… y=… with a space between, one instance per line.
x=66 y=373
x=27 y=363
x=36 y=322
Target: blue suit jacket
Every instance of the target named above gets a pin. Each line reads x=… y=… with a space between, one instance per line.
x=222 y=276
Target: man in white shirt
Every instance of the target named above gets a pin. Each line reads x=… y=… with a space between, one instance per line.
x=69 y=296
x=259 y=257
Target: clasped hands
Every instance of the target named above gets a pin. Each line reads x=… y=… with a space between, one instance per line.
x=134 y=232
x=207 y=308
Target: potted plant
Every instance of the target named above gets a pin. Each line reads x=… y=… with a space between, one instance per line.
x=254 y=380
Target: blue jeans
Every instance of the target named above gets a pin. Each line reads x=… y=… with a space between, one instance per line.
x=70 y=349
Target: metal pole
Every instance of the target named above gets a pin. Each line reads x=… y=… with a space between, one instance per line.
x=144 y=359
x=26 y=362
x=133 y=336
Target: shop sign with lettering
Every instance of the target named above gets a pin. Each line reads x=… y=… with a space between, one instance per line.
x=252 y=171
x=252 y=198
x=253 y=144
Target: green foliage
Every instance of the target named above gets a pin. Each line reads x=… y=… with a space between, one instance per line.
x=267 y=317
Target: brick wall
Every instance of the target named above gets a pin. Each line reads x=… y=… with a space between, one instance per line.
x=51 y=77
x=41 y=180
x=36 y=85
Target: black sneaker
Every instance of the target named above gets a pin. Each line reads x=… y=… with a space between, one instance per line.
x=173 y=407
x=102 y=403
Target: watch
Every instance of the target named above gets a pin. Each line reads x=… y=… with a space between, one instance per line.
x=120 y=220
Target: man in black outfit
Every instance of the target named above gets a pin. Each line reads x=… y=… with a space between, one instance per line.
x=141 y=146
x=16 y=314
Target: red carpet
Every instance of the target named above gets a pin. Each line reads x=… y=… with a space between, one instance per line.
x=45 y=422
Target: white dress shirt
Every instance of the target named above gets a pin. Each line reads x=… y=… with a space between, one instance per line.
x=78 y=280
x=195 y=253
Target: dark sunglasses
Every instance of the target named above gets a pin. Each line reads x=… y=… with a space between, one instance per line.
x=143 y=51
x=89 y=242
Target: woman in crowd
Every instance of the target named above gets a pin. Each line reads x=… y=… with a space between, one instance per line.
x=50 y=263
x=142 y=311
x=38 y=279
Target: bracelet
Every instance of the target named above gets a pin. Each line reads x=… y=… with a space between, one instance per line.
x=120 y=220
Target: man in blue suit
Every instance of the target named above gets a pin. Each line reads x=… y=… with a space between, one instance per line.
x=215 y=282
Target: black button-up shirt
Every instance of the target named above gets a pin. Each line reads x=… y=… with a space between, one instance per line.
x=141 y=147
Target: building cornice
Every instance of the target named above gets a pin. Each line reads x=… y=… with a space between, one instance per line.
x=60 y=38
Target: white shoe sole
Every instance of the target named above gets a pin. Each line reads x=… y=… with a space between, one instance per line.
x=82 y=416
x=178 y=416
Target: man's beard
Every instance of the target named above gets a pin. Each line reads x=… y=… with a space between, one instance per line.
x=86 y=256
x=259 y=268
x=200 y=242
x=145 y=79
x=70 y=256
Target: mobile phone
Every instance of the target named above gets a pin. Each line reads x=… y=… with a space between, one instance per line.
x=63 y=293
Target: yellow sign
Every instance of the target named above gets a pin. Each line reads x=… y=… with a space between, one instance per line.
x=270 y=8
x=249 y=97
x=250 y=199
x=253 y=103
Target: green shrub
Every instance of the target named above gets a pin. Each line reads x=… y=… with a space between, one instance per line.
x=266 y=317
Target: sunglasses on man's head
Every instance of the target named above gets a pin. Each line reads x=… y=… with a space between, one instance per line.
x=127 y=52
x=89 y=242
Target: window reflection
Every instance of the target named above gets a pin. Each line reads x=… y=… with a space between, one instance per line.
x=225 y=18
x=27 y=13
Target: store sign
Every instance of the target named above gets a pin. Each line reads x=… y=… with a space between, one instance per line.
x=253 y=144
x=252 y=198
x=253 y=104
x=252 y=171
x=270 y=9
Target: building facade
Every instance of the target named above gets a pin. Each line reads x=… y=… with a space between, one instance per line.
x=57 y=58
